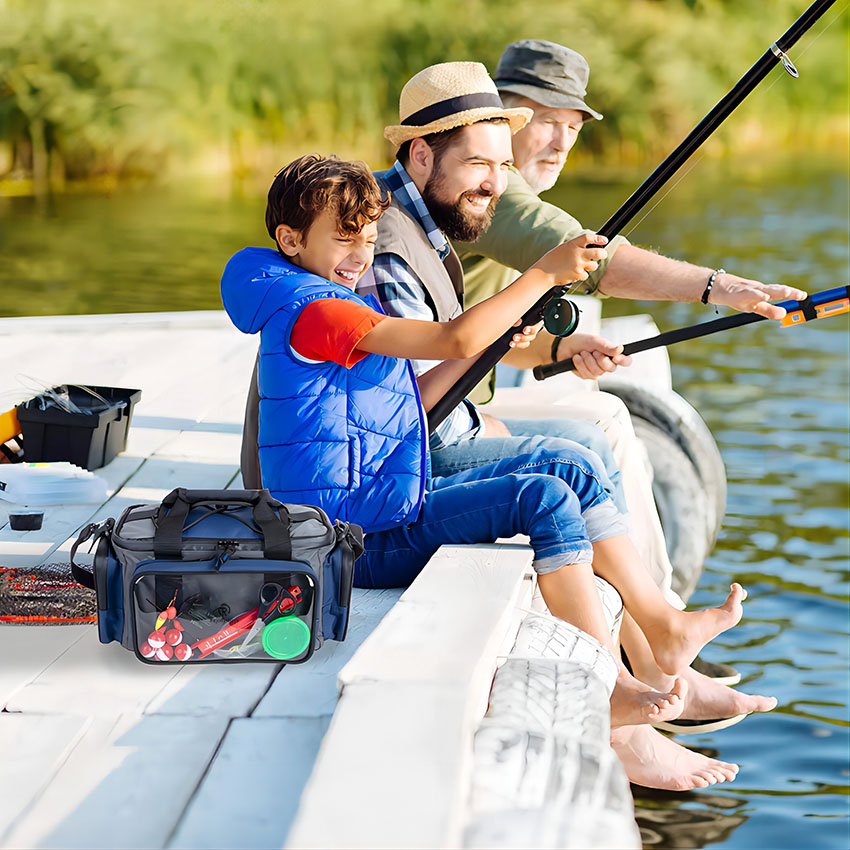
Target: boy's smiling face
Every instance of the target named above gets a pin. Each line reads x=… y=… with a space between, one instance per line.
x=325 y=251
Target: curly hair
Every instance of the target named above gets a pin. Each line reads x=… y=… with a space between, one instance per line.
x=312 y=183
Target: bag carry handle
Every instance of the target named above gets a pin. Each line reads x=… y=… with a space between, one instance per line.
x=271 y=517
x=96 y=532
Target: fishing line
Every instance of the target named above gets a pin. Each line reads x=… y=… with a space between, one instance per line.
x=695 y=163
x=701 y=155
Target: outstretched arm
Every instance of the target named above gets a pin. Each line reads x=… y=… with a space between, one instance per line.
x=639 y=274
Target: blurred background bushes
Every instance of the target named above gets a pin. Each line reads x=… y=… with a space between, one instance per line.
x=102 y=90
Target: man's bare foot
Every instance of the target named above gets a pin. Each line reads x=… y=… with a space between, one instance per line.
x=654 y=761
x=634 y=702
x=705 y=699
x=678 y=641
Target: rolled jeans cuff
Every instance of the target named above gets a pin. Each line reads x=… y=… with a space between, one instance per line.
x=603 y=520
x=553 y=563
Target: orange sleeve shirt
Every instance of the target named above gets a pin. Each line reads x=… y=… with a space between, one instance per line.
x=331 y=328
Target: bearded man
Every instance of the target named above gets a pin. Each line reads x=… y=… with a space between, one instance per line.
x=445 y=183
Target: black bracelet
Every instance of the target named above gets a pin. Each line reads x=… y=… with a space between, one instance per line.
x=555 y=343
x=710 y=283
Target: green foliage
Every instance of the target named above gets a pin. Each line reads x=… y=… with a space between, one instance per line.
x=107 y=87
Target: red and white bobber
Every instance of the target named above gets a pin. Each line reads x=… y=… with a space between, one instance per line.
x=164 y=653
x=173 y=637
x=157 y=638
x=182 y=652
x=146 y=650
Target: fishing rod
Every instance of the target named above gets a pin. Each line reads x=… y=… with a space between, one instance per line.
x=559 y=315
x=820 y=305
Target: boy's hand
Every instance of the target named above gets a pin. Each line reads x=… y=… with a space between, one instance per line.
x=573 y=260
x=593 y=356
x=525 y=337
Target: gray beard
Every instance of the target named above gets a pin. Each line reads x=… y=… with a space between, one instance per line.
x=536 y=187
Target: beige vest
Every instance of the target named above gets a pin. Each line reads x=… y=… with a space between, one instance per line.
x=399 y=233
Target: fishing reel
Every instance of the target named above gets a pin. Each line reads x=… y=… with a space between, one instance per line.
x=560 y=317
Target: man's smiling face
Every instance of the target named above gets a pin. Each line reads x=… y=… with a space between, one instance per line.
x=467 y=178
x=541 y=147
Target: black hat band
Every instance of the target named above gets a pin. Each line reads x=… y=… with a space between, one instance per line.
x=452 y=106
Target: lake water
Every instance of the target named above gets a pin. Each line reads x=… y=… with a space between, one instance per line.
x=776 y=401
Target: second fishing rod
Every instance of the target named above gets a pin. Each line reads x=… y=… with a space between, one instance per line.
x=558 y=315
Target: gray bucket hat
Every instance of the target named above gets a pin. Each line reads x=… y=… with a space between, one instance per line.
x=547 y=73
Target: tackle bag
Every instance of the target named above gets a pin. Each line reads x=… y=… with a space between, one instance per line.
x=221 y=575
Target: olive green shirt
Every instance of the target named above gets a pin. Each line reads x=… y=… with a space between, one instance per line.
x=523 y=229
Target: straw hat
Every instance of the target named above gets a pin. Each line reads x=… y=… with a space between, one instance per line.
x=450 y=95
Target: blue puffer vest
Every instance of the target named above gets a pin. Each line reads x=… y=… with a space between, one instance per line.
x=351 y=441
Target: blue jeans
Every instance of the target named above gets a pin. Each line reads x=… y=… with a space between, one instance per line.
x=554 y=496
x=584 y=438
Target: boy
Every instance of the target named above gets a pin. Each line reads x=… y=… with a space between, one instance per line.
x=342 y=425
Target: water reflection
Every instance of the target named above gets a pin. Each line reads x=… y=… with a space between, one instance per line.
x=665 y=822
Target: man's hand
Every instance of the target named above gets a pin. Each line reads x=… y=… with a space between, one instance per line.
x=493 y=427
x=592 y=355
x=751 y=296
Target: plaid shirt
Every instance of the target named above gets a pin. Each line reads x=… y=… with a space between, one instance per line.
x=402 y=294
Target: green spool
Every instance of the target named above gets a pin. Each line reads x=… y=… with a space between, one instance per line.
x=287 y=637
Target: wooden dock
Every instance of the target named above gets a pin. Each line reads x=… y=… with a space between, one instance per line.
x=385 y=740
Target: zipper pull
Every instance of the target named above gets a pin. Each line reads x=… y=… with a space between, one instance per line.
x=226 y=548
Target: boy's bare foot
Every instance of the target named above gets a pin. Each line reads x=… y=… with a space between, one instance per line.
x=678 y=641
x=654 y=761
x=634 y=702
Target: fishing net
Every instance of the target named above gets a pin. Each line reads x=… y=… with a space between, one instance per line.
x=45 y=595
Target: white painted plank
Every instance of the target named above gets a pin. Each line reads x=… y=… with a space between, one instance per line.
x=310 y=690
x=93 y=678
x=649 y=368
x=184 y=461
x=369 y=790
x=33 y=748
x=83 y=324
x=455 y=613
x=230 y=690
x=411 y=697
x=27 y=650
x=124 y=785
x=250 y=794
x=107 y=680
